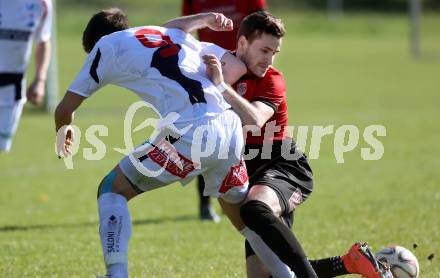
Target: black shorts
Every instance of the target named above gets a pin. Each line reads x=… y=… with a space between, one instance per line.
x=292 y=180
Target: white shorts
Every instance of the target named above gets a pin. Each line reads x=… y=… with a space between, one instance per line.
x=11 y=105
x=9 y=118
x=212 y=148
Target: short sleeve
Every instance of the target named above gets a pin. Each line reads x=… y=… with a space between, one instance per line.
x=98 y=70
x=271 y=90
x=44 y=29
x=210 y=48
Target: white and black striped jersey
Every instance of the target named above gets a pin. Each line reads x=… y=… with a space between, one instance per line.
x=162 y=66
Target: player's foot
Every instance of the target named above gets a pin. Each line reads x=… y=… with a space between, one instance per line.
x=207 y=213
x=360 y=260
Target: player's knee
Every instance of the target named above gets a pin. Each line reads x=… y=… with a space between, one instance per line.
x=255 y=213
x=106 y=185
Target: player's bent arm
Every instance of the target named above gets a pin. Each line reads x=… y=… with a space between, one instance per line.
x=36 y=90
x=232 y=68
x=214 y=21
x=65 y=110
x=254 y=113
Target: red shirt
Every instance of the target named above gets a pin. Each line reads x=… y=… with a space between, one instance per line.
x=271 y=90
x=233 y=9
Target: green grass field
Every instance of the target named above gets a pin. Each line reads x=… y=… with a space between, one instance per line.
x=355 y=71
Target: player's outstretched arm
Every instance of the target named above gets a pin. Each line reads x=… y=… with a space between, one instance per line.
x=214 y=21
x=66 y=108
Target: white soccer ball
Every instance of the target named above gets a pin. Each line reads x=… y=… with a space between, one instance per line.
x=402 y=262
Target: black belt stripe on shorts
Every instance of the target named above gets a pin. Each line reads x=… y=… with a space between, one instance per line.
x=12 y=79
x=14 y=35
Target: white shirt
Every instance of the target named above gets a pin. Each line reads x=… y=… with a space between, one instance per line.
x=22 y=21
x=148 y=61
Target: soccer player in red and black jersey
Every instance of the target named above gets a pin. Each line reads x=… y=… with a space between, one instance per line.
x=235 y=10
x=280 y=176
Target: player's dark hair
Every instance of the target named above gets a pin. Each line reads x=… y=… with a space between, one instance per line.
x=257 y=23
x=103 y=23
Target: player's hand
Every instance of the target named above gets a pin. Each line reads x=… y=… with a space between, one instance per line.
x=219 y=22
x=64 y=141
x=213 y=68
x=35 y=92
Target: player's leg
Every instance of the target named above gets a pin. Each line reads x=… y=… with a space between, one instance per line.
x=11 y=106
x=123 y=183
x=324 y=268
x=255 y=268
x=231 y=207
x=358 y=260
x=277 y=191
x=329 y=267
x=227 y=179
x=114 y=221
x=136 y=173
x=271 y=260
x=206 y=210
x=260 y=213
x=9 y=119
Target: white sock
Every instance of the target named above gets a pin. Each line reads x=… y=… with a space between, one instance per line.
x=276 y=267
x=115 y=232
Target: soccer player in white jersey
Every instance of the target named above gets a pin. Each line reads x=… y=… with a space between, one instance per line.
x=164 y=67
x=21 y=22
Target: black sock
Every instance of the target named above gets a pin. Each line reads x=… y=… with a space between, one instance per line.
x=204 y=200
x=329 y=267
x=259 y=218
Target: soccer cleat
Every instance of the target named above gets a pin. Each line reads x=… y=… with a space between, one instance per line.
x=360 y=260
x=207 y=213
